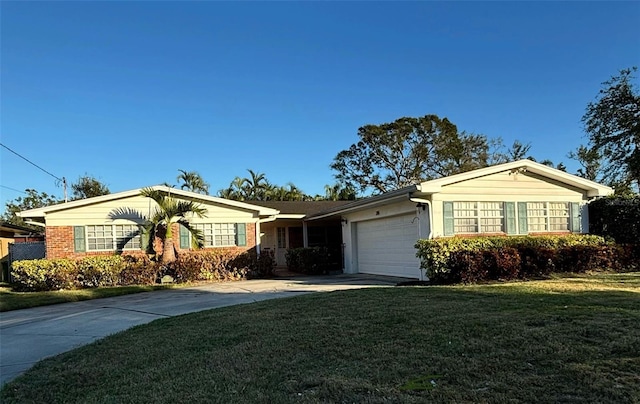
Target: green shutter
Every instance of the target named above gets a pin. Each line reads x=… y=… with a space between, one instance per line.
x=575 y=217
x=523 y=226
x=78 y=239
x=241 y=234
x=510 y=217
x=448 y=218
x=185 y=238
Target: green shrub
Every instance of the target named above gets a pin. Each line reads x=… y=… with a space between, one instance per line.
x=43 y=274
x=138 y=270
x=207 y=265
x=99 y=270
x=257 y=265
x=455 y=259
x=313 y=260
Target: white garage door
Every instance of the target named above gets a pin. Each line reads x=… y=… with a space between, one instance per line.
x=386 y=246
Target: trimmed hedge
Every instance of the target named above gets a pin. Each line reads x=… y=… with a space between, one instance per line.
x=617 y=217
x=220 y=265
x=313 y=260
x=468 y=260
x=121 y=270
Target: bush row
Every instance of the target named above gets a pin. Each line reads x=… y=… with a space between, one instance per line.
x=313 y=260
x=119 y=270
x=452 y=260
x=220 y=265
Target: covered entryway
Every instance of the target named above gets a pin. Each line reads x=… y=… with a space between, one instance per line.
x=386 y=246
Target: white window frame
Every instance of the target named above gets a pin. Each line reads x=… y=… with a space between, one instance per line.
x=212 y=231
x=548 y=217
x=477 y=209
x=113 y=237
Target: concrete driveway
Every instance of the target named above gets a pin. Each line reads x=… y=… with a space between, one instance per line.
x=30 y=335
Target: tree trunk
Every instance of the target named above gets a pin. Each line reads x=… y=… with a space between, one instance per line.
x=168 y=251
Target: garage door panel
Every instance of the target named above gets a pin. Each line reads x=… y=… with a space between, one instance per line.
x=386 y=247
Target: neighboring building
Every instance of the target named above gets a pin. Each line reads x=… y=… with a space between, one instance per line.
x=375 y=235
x=521 y=197
x=12 y=234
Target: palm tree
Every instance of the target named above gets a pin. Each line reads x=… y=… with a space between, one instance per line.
x=192 y=181
x=338 y=192
x=168 y=211
x=256 y=186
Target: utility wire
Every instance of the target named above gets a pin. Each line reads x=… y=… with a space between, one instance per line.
x=13 y=189
x=62 y=180
x=31 y=162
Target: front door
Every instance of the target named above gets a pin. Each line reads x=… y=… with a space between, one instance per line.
x=287 y=237
x=281 y=250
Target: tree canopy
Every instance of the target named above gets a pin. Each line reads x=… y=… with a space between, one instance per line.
x=32 y=200
x=409 y=150
x=612 y=123
x=88 y=187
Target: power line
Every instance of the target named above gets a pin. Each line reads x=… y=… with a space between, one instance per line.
x=31 y=162
x=13 y=189
x=63 y=180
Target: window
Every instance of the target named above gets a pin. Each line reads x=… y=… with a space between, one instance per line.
x=548 y=216
x=465 y=217
x=282 y=237
x=113 y=237
x=128 y=237
x=491 y=217
x=478 y=217
x=510 y=217
x=217 y=234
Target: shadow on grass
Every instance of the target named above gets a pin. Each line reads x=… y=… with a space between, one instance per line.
x=487 y=343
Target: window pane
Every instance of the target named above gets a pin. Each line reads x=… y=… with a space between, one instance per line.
x=537 y=216
x=492 y=217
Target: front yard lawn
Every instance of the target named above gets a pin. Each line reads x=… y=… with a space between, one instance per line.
x=569 y=339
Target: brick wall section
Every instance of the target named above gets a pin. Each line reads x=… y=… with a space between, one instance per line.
x=59 y=242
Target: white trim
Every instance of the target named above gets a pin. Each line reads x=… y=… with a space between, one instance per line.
x=593 y=188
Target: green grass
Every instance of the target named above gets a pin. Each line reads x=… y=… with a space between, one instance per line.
x=569 y=340
x=10 y=300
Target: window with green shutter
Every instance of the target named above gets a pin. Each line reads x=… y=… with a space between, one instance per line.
x=448 y=218
x=523 y=226
x=576 y=222
x=79 y=244
x=241 y=234
x=510 y=217
x=185 y=238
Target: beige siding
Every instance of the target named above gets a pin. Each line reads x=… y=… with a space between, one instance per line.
x=504 y=187
x=511 y=187
x=100 y=213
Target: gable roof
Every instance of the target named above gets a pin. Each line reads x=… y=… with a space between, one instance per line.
x=42 y=212
x=593 y=189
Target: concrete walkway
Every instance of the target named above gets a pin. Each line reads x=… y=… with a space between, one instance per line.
x=30 y=335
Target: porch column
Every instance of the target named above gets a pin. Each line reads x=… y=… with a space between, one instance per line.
x=258 y=240
x=305 y=239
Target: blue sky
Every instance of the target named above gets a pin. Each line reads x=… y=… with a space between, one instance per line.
x=130 y=92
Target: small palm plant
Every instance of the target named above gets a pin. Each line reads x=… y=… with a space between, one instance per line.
x=168 y=211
